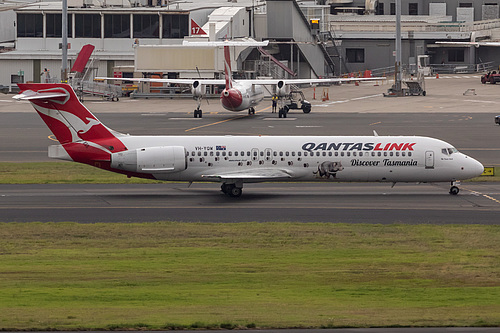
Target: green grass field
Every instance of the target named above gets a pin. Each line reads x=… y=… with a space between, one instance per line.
x=191 y=275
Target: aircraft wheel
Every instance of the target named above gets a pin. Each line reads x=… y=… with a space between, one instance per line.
x=454 y=190
x=225 y=188
x=280 y=113
x=235 y=192
x=423 y=93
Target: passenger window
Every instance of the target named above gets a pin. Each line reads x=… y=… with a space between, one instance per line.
x=330 y=153
x=275 y=153
x=360 y=153
x=281 y=153
x=397 y=153
x=391 y=153
x=342 y=153
x=217 y=153
x=235 y=153
x=287 y=154
x=317 y=153
x=379 y=154
x=223 y=153
x=193 y=153
x=230 y=153
x=205 y=153
x=409 y=153
x=353 y=153
x=348 y=153
x=248 y=153
x=336 y=153
x=299 y=154
x=293 y=153
x=403 y=154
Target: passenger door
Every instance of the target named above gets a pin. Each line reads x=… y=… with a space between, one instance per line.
x=429 y=159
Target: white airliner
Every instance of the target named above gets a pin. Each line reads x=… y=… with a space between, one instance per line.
x=243 y=94
x=235 y=160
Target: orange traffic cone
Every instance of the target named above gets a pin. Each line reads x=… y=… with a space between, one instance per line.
x=437 y=75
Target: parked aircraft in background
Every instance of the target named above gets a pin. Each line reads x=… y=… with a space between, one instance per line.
x=243 y=94
x=235 y=160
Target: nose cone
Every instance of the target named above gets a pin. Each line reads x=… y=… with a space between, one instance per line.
x=471 y=168
x=231 y=99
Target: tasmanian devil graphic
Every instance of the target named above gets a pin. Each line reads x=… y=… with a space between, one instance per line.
x=328 y=169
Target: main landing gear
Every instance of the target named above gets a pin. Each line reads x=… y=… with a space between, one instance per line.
x=231 y=190
x=198 y=113
x=454 y=188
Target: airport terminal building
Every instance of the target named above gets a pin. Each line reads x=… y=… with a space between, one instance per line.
x=308 y=38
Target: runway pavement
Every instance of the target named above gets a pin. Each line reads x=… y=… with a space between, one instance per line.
x=270 y=202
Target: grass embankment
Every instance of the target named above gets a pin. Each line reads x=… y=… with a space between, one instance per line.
x=69 y=172
x=182 y=275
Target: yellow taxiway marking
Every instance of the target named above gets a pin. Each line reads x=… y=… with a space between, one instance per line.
x=483 y=195
x=53 y=138
x=378 y=122
x=223 y=121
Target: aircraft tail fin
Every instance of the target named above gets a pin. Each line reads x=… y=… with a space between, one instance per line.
x=227 y=68
x=81 y=134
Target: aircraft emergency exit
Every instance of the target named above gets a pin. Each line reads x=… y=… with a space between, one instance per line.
x=235 y=160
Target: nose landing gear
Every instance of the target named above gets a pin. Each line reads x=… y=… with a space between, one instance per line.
x=454 y=188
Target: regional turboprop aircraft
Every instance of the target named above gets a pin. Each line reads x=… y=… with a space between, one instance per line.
x=235 y=160
x=243 y=94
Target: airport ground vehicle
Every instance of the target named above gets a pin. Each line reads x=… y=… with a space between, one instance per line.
x=492 y=78
x=291 y=102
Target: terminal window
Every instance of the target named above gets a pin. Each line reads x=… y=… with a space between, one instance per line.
x=146 y=26
x=355 y=55
x=175 y=26
x=117 y=26
x=29 y=25
x=456 y=55
x=413 y=8
x=88 y=25
x=54 y=23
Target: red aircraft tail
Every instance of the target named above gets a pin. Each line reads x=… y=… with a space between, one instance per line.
x=227 y=68
x=80 y=133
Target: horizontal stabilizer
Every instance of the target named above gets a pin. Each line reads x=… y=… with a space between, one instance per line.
x=30 y=95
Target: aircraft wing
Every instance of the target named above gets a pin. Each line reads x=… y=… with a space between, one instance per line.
x=311 y=81
x=172 y=81
x=258 y=175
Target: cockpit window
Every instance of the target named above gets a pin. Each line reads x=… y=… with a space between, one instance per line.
x=449 y=151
